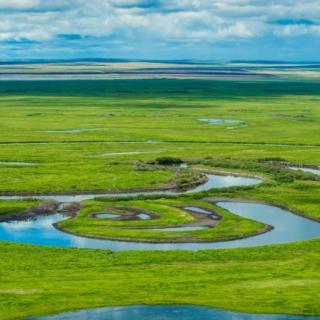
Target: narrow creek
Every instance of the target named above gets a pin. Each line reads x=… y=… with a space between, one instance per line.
x=315 y=171
x=214 y=182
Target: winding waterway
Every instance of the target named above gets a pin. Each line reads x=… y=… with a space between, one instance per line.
x=214 y=182
x=287 y=227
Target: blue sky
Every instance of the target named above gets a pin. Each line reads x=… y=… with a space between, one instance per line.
x=160 y=29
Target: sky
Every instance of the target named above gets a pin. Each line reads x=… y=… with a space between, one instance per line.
x=286 y=30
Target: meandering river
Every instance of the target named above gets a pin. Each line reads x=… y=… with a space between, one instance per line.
x=213 y=182
x=287 y=227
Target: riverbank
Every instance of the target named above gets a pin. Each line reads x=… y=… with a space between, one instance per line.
x=238 y=280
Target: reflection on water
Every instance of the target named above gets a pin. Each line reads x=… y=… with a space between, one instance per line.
x=219 y=181
x=143 y=216
x=237 y=123
x=220 y=121
x=20 y=164
x=106 y=215
x=288 y=227
x=166 y=313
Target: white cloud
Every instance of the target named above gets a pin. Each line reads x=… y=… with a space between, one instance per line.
x=130 y=22
x=18 y=4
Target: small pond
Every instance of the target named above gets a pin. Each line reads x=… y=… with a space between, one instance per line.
x=106 y=215
x=235 y=124
x=220 y=121
x=18 y=164
x=143 y=216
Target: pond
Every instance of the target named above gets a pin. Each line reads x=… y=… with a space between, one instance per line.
x=236 y=124
x=221 y=121
x=170 y=312
x=106 y=215
x=143 y=216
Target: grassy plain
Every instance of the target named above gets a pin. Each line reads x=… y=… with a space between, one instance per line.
x=283 y=120
x=12 y=206
x=274 y=279
x=130 y=116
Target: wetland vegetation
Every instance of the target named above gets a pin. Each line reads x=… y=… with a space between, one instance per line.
x=121 y=118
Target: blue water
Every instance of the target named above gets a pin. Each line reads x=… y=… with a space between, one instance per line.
x=166 y=313
x=219 y=181
x=106 y=215
x=143 y=216
x=220 y=121
x=237 y=123
x=287 y=227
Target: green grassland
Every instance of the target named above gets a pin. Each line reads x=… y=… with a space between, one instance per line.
x=160 y=110
x=282 y=118
x=12 y=206
x=39 y=280
x=148 y=119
